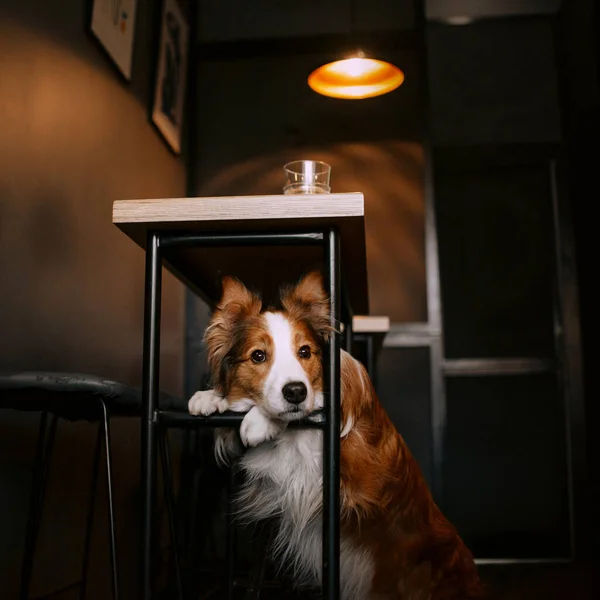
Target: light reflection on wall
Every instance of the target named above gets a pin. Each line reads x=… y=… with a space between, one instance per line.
x=390 y=174
x=72 y=140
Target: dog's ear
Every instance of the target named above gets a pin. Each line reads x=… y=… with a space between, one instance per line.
x=237 y=298
x=308 y=301
x=237 y=302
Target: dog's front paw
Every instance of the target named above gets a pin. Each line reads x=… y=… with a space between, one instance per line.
x=256 y=428
x=206 y=403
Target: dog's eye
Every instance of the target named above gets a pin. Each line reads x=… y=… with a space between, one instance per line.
x=304 y=352
x=258 y=356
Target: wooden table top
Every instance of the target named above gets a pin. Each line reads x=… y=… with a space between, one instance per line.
x=261 y=268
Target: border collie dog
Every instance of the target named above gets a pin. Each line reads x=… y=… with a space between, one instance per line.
x=395 y=542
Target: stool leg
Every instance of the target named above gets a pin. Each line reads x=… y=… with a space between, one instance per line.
x=230 y=534
x=165 y=459
x=111 y=508
x=43 y=456
x=90 y=516
x=34 y=500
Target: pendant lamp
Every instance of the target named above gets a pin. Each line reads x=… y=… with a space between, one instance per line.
x=357 y=76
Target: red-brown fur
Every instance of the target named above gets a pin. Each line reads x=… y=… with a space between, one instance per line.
x=386 y=504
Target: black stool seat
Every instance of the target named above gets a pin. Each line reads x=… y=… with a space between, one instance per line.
x=73 y=397
x=68 y=395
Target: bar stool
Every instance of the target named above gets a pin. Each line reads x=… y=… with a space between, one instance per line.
x=73 y=397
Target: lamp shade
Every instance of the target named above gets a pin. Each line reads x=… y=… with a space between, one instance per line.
x=356 y=78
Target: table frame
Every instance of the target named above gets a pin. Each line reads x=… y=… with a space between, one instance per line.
x=158 y=244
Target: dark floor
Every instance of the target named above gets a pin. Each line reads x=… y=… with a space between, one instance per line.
x=504 y=582
x=541 y=582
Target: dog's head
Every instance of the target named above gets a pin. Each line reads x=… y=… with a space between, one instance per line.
x=271 y=357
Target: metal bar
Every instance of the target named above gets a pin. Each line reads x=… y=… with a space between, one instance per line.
x=410 y=335
x=149 y=404
x=37 y=490
x=90 y=516
x=167 y=418
x=170 y=240
x=438 y=415
x=231 y=537
x=347 y=317
x=424 y=329
x=331 y=441
x=432 y=267
x=371 y=367
x=401 y=340
x=522 y=561
x=165 y=458
x=46 y=459
x=112 y=528
x=570 y=179
x=348 y=337
x=567 y=335
x=347 y=314
x=501 y=366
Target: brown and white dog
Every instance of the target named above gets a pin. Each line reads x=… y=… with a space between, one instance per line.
x=395 y=542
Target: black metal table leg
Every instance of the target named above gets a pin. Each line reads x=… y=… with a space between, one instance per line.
x=331 y=437
x=149 y=403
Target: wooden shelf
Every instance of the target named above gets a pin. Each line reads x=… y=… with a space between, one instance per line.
x=370 y=324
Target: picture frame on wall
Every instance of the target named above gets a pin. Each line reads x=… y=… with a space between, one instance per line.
x=169 y=93
x=112 y=23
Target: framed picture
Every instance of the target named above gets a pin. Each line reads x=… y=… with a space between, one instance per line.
x=113 y=25
x=169 y=93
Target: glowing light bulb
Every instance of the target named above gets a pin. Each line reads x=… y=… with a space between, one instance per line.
x=356 y=78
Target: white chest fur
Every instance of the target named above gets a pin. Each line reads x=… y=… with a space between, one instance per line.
x=283 y=479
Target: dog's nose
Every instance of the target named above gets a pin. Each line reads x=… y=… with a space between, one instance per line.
x=294 y=392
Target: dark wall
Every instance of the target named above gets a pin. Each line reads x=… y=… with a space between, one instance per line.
x=74 y=138
x=496 y=125
x=494 y=88
x=494 y=82
x=265 y=19
x=255 y=114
